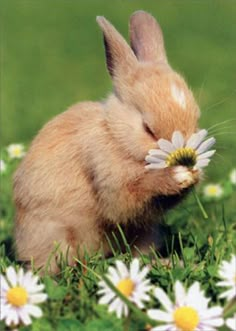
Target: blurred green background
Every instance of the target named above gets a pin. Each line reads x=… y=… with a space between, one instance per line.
x=52 y=56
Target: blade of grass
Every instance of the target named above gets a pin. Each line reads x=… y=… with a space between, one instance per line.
x=127 y=246
x=199 y=203
x=117 y=242
x=110 y=245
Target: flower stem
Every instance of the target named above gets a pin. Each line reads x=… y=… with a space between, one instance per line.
x=199 y=203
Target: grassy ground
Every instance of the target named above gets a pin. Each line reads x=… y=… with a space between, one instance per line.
x=51 y=57
x=195 y=246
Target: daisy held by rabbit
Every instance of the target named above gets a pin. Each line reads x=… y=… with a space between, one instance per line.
x=85 y=171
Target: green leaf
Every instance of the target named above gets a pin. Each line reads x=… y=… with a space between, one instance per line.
x=104 y=325
x=69 y=325
x=212 y=270
x=54 y=291
x=189 y=253
x=41 y=324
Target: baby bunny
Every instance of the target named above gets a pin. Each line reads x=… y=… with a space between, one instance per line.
x=85 y=171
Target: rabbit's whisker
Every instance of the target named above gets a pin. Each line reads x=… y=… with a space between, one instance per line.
x=221 y=123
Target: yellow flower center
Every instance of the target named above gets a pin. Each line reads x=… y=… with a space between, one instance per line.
x=182 y=156
x=17 y=151
x=213 y=190
x=186 y=318
x=17 y=296
x=125 y=286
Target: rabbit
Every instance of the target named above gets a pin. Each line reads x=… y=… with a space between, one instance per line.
x=84 y=172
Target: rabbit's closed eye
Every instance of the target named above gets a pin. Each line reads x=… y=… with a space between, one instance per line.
x=149 y=131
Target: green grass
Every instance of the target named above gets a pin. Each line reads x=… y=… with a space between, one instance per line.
x=52 y=56
x=195 y=247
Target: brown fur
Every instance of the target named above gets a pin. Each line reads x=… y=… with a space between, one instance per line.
x=84 y=172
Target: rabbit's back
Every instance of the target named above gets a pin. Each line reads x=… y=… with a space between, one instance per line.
x=55 y=163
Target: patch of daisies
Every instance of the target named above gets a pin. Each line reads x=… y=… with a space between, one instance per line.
x=125 y=290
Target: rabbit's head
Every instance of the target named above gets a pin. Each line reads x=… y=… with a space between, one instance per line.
x=151 y=100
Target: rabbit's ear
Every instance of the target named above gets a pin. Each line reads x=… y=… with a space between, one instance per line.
x=146 y=38
x=119 y=56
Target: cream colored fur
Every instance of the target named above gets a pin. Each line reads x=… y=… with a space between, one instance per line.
x=84 y=172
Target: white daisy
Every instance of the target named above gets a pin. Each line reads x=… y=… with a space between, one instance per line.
x=19 y=295
x=213 y=191
x=16 y=151
x=232 y=177
x=3 y=166
x=193 y=153
x=131 y=283
x=190 y=312
x=231 y=323
x=227 y=272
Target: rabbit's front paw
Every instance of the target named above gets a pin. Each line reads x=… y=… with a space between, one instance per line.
x=185 y=177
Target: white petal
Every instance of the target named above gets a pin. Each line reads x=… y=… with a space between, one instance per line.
x=4 y=310
x=24 y=316
x=104 y=291
x=30 y=283
x=106 y=298
x=159 y=153
x=156 y=166
x=165 y=327
x=20 y=276
x=206 y=155
x=225 y=283
x=122 y=269
x=33 y=310
x=138 y=303
x=214 y=322
x=164 y=299
x=231 y=323
x=11 y=276
x=153 y=159
x=202 y=163
x=177 y=139
x=3 y=284
x=203 y=327
x=134 y=268
x=143 y=286
x=205 y=145
x=12 y=317
x=114 y=276
x=119 y=310
x=180 y=293
x=126 y=310
x=165 y=145
x=114 y=305
x=196 y=139
x=142 y=274
x=140 y=296
x=34 y=288
x=193 y=293
x=212 y=312
x=159 y=315
x=230 y=294
x=38 y=298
